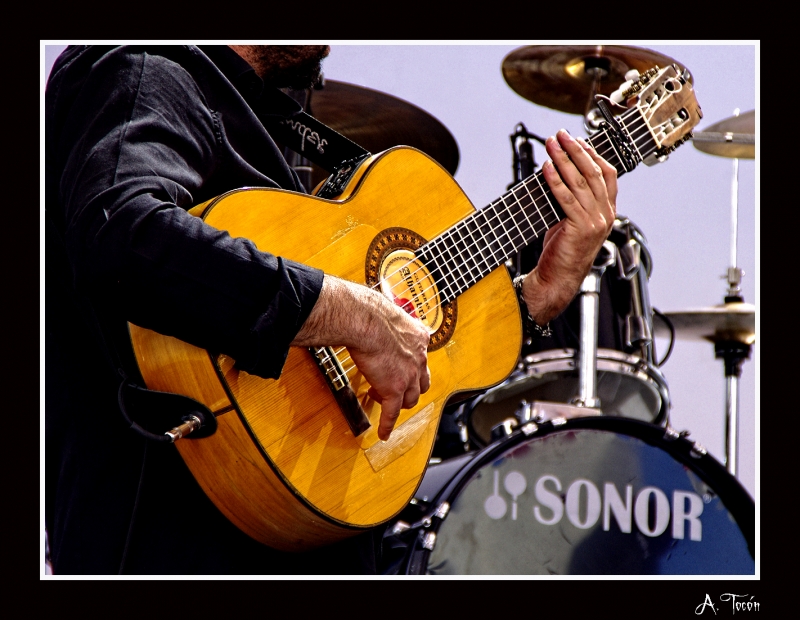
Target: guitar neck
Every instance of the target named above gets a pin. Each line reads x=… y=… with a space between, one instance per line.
x=478 y=244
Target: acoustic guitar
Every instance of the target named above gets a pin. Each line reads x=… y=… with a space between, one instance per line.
x=296 y=462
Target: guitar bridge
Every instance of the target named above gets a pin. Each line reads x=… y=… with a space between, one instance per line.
x=337 y=380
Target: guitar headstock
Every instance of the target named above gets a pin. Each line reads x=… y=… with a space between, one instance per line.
x=667 y=103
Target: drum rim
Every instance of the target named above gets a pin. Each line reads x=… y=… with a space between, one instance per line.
x=639 y=369
x=677 y=445
x=565 y=353
x=643 y=371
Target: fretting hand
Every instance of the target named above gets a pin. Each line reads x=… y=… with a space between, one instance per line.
x=585 y=185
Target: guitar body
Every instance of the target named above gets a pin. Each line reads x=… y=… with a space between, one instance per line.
x=284 y=465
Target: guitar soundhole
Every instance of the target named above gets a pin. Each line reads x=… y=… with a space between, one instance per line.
x=392 y=268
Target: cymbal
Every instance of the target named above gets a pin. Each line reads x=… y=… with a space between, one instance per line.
x=562 y=77
x=733 y=137
x=377 y=121
x=730 y=321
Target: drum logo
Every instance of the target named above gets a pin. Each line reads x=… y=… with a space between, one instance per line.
x=651 y=510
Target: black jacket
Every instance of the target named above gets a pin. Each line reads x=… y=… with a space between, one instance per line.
x=135 y=136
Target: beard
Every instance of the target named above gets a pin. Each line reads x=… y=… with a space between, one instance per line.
x=287 y=66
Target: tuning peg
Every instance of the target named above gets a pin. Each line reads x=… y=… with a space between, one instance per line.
x=631 y=77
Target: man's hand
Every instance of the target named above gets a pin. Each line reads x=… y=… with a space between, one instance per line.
x=585 y=186
x=389 y=347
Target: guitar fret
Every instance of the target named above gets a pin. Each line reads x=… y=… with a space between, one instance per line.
x=468 y=258
x=524 y=220
x=488 y=233
x=458 y=285
x=544 y=191
x=478 y=242
x=457 y=259
x=474 y=269
x=529 y=199
x=513 y=214
x=506 y=233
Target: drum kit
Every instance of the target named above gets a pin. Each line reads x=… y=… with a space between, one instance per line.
x=571 y=466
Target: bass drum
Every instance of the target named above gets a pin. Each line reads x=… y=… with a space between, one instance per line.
x=586 y=496
x=627 y=387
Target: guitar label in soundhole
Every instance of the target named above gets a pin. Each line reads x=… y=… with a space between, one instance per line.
x=408 y=284
x=393 y=268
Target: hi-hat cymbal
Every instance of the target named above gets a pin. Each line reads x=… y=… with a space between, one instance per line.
x=733 y=137
x=732 y=321
x=377 y=121
x=566 y=77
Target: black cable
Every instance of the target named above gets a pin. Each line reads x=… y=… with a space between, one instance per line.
x=671 y=328
x=163 y=438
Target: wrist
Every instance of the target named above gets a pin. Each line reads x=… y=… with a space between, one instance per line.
x=532 y=326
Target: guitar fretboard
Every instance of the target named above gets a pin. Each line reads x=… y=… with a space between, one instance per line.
x=478 y=244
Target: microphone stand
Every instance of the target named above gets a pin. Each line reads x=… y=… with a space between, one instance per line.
x=523 y=166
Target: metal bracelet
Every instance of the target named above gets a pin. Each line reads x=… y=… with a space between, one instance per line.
x=532 y=326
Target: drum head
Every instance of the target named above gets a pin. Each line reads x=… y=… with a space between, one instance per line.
x=591 y=496
x=626 y=386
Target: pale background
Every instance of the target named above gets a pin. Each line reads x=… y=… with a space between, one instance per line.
x=682 y=206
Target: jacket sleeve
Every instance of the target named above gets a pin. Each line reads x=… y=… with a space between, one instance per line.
x=136 y=146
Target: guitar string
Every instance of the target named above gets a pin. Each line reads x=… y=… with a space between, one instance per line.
x=513 y=240
x=604 y=144
x=604 y=147
x=490 y=209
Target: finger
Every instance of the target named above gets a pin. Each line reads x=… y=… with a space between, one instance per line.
x=373 y=394
x=390 y=410
x=562 y=193
x=425 y=382
x=585 y=172
x=552 y=232
x=610 y=173
x=411 y=396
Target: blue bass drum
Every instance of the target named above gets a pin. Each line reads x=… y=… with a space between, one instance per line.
x=585 y=496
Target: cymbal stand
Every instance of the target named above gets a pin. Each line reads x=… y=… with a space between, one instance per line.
x=733 y=352
x=590 y=320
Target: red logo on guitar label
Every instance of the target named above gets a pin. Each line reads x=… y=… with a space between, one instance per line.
x=406 y=305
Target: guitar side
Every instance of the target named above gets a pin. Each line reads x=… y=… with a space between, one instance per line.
x=283 y=464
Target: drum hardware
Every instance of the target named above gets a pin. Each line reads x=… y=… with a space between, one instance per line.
x=590 y=317
x=528 y=416
x=637 y=325
x=731 y=325
x=628 y=382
